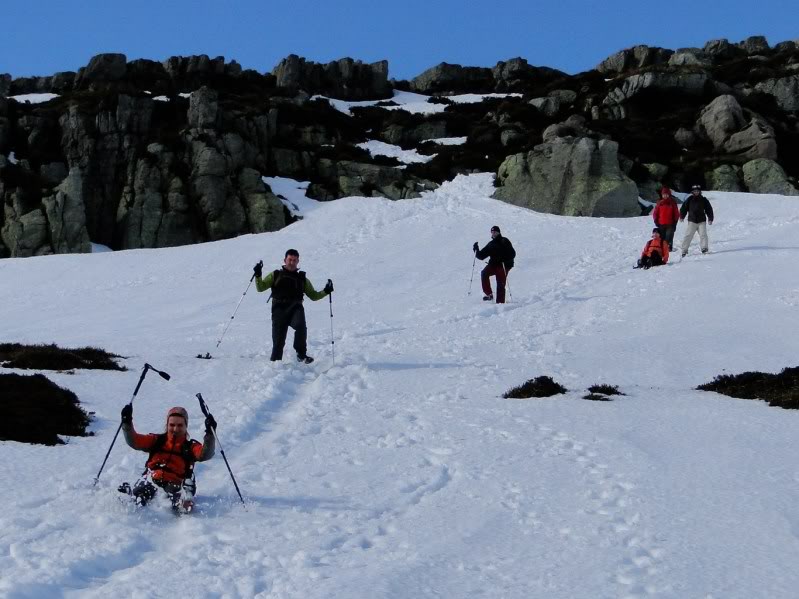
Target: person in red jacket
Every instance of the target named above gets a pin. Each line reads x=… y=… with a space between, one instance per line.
x=666 y=215
x=656 y=252
x=172 y=455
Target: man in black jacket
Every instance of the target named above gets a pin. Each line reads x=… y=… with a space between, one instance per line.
x=289 y=285
x=699 y=212
x=500 y=254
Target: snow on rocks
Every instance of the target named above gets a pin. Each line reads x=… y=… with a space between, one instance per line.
x=33 y=98
x=379 y=148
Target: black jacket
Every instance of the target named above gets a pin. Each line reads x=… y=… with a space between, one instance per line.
x=696 y=207
x=498 y=251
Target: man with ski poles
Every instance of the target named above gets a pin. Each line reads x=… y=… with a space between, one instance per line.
x=501 y=255
x=289 y=286
x=172 y=455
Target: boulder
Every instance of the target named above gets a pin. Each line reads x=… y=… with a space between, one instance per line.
x=785 y=91
x=516 y=75
x=685 y=137
x=345 y=79
x=264 y=209
x=766 y=176
x=596 y=185
x=24 y=234
x=688 y=83
x=726 y=177
x=344 y=178
x=755 y=44
x=689 y=57
x=447 y=78
x=724 y=123
x=720 y=49
x=103 y=68
x=633 y=58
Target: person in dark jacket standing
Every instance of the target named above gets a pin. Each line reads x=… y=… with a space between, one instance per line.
x=699 y=212
x=666 y=214
x=500 y=254
x=289 y=286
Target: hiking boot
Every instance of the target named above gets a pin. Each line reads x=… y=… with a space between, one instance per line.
x=704 y=251
x=305 y=359
x=684 y=254
x=488 y=298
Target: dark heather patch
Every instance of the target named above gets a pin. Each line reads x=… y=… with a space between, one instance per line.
x=542 y=386
x=52 y=357
x=33 y=409
x=779 y=390
x=605 y=390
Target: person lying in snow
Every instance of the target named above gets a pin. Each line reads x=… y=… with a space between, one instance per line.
x=656 y=252
x=172 y=455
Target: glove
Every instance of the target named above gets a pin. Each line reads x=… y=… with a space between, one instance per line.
x=127 y=414
x=258 y=269
x=329 y=287
x=210 y=424
x=475 y=247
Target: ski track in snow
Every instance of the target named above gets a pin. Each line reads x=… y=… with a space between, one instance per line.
x=397 y=471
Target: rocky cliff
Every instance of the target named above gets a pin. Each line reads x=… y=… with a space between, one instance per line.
x=135 y=154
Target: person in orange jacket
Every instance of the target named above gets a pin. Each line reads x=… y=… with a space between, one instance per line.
x=656 y=252
x=171 y=460
x=666 y=216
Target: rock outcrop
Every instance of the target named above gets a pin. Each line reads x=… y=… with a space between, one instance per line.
x=766 y=176
x=345 y=79
x=595 y=186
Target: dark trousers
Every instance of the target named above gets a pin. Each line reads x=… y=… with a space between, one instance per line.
x=648 y=261
x=498 y=271
x=667 y=234
x=285 y=316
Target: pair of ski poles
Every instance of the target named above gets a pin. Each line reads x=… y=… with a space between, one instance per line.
x=208 y=356
x=203 y=407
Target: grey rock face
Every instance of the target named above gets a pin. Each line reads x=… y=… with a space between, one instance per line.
x=720 y=119
x=66 y=216
x=692 y=84
x=596 y=185
x=685 y=137
x=24 y=234
x=203 y=106
x=355 y=178
x=633 y=58
x=692 y=57
x=766 y=176
x=345 y=79
x=785 y=91
x=726 y=177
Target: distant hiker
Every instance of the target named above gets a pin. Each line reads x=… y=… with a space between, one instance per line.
x=656 y=251
x=666 y=214
x=172 y=457
x=288 y=286
x=698 y=210
x=500 y=254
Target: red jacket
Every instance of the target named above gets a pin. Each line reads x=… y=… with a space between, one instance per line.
x=666 y=212
x=657 y=245
x=168 y=464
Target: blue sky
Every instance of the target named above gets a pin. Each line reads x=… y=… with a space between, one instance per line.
x=43 y=37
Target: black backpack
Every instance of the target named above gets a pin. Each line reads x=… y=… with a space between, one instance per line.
x=508 y=253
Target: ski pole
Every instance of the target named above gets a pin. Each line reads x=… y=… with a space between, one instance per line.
x=207 y=356
x=510 y=293
x=332 y=341
x=206 y=413
x=146 y=368
x=472 y=278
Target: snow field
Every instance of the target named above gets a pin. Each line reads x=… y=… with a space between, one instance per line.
x=398 y=471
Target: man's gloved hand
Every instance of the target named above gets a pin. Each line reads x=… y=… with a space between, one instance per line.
x=475 y=247
x=258 y=269
x=127 y=414
x=329 y=287
x=210 y=424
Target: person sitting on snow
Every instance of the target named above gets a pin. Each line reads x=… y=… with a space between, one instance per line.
x=656 y=251
x=172 y=457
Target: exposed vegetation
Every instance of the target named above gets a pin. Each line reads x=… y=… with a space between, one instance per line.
x=542 y=386
x=779 y=390
x=52 y=357
x=33 y=409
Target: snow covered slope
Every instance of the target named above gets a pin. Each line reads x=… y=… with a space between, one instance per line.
x=399 y=471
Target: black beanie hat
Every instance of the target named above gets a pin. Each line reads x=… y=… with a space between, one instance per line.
x=495 y=228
